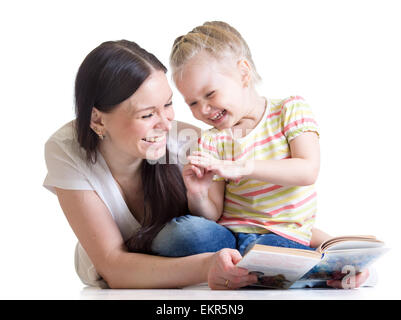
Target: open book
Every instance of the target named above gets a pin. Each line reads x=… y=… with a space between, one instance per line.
x=279 y=267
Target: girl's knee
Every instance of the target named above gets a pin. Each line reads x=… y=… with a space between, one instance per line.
x=187 y=235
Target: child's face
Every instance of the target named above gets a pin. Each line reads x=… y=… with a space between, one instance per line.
x=214 y=90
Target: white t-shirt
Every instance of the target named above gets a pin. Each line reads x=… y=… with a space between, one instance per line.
x=68 y=169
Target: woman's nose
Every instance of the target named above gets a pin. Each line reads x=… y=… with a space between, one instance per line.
x=164 y=122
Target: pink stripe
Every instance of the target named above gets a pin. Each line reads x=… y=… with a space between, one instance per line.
x=292 y=206
x=271 y=115
x=208 y=147
x=230 y=201
x=258 y=143
x=258 y=192
x=225 y=138
x=298 y=122
x=292 y=99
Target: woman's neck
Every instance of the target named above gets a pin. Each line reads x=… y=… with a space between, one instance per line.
x=122 y=166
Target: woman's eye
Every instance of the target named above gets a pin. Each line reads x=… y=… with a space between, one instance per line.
x=147 y=116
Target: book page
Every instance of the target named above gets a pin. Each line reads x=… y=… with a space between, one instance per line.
x=354 y=245
x=350 y=242
x=334 y=263
x=277 y=270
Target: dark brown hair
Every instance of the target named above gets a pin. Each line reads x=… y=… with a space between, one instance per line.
x=110 y=74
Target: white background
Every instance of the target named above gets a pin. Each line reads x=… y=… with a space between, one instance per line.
x=343 y=57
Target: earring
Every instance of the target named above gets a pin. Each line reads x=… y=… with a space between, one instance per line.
x=97 y=131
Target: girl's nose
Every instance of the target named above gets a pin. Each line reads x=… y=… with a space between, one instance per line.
x=205 y=108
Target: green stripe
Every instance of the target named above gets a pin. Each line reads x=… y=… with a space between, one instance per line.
x=268 y=197
x=245 y=212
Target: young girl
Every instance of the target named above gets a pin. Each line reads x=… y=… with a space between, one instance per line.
x=256 y=168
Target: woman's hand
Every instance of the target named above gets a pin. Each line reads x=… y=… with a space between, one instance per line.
x=232 y=170
x=223 y=273
x=350 y=282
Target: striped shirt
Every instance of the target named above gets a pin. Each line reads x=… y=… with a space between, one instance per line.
x=253 y=206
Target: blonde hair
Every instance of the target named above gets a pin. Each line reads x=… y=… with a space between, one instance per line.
x=217 y=38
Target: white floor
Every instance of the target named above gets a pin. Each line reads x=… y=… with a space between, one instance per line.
x=29 y=280
x=202 y=292
x=387 y=288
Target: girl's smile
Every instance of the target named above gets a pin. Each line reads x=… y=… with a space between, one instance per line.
x=218 y=91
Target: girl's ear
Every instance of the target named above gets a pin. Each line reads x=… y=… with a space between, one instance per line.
x=245 y=72
x=97 y=122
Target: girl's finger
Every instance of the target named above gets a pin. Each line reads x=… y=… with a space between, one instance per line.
x=199 y=161
x=198 y=172
x=202 y=153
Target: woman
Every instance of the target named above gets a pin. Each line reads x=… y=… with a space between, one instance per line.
x=118 y=189
x=107 y=190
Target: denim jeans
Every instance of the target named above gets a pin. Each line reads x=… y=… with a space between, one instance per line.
x=188 y=235
x=246 y=240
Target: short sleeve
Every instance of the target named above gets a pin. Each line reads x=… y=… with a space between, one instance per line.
x=297 y=118
x=208 y=143
x=62 y=171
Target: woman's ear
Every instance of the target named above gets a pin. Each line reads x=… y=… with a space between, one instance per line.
x=97 y=122
x=245 y=72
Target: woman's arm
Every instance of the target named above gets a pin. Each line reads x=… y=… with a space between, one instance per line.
x=100 y=237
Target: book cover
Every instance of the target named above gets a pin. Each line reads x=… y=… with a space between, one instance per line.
x=280 y=268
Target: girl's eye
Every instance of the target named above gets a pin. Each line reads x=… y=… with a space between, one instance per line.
x=169 y=104
x=210 y=94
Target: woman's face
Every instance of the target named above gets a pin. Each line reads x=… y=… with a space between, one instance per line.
x=138 y=127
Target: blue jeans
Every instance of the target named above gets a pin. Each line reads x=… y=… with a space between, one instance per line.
x=189 y=235
x=245 y=241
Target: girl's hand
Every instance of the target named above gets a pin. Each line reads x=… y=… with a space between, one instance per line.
x=351 y=282
x=196 y=179
x=223 y=273
x=232 y=170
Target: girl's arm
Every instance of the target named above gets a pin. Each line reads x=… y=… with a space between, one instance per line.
x=299 y=170
x=100 y=237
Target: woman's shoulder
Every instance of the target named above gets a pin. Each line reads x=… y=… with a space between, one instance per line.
x=64 y=133
x=64 y=144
